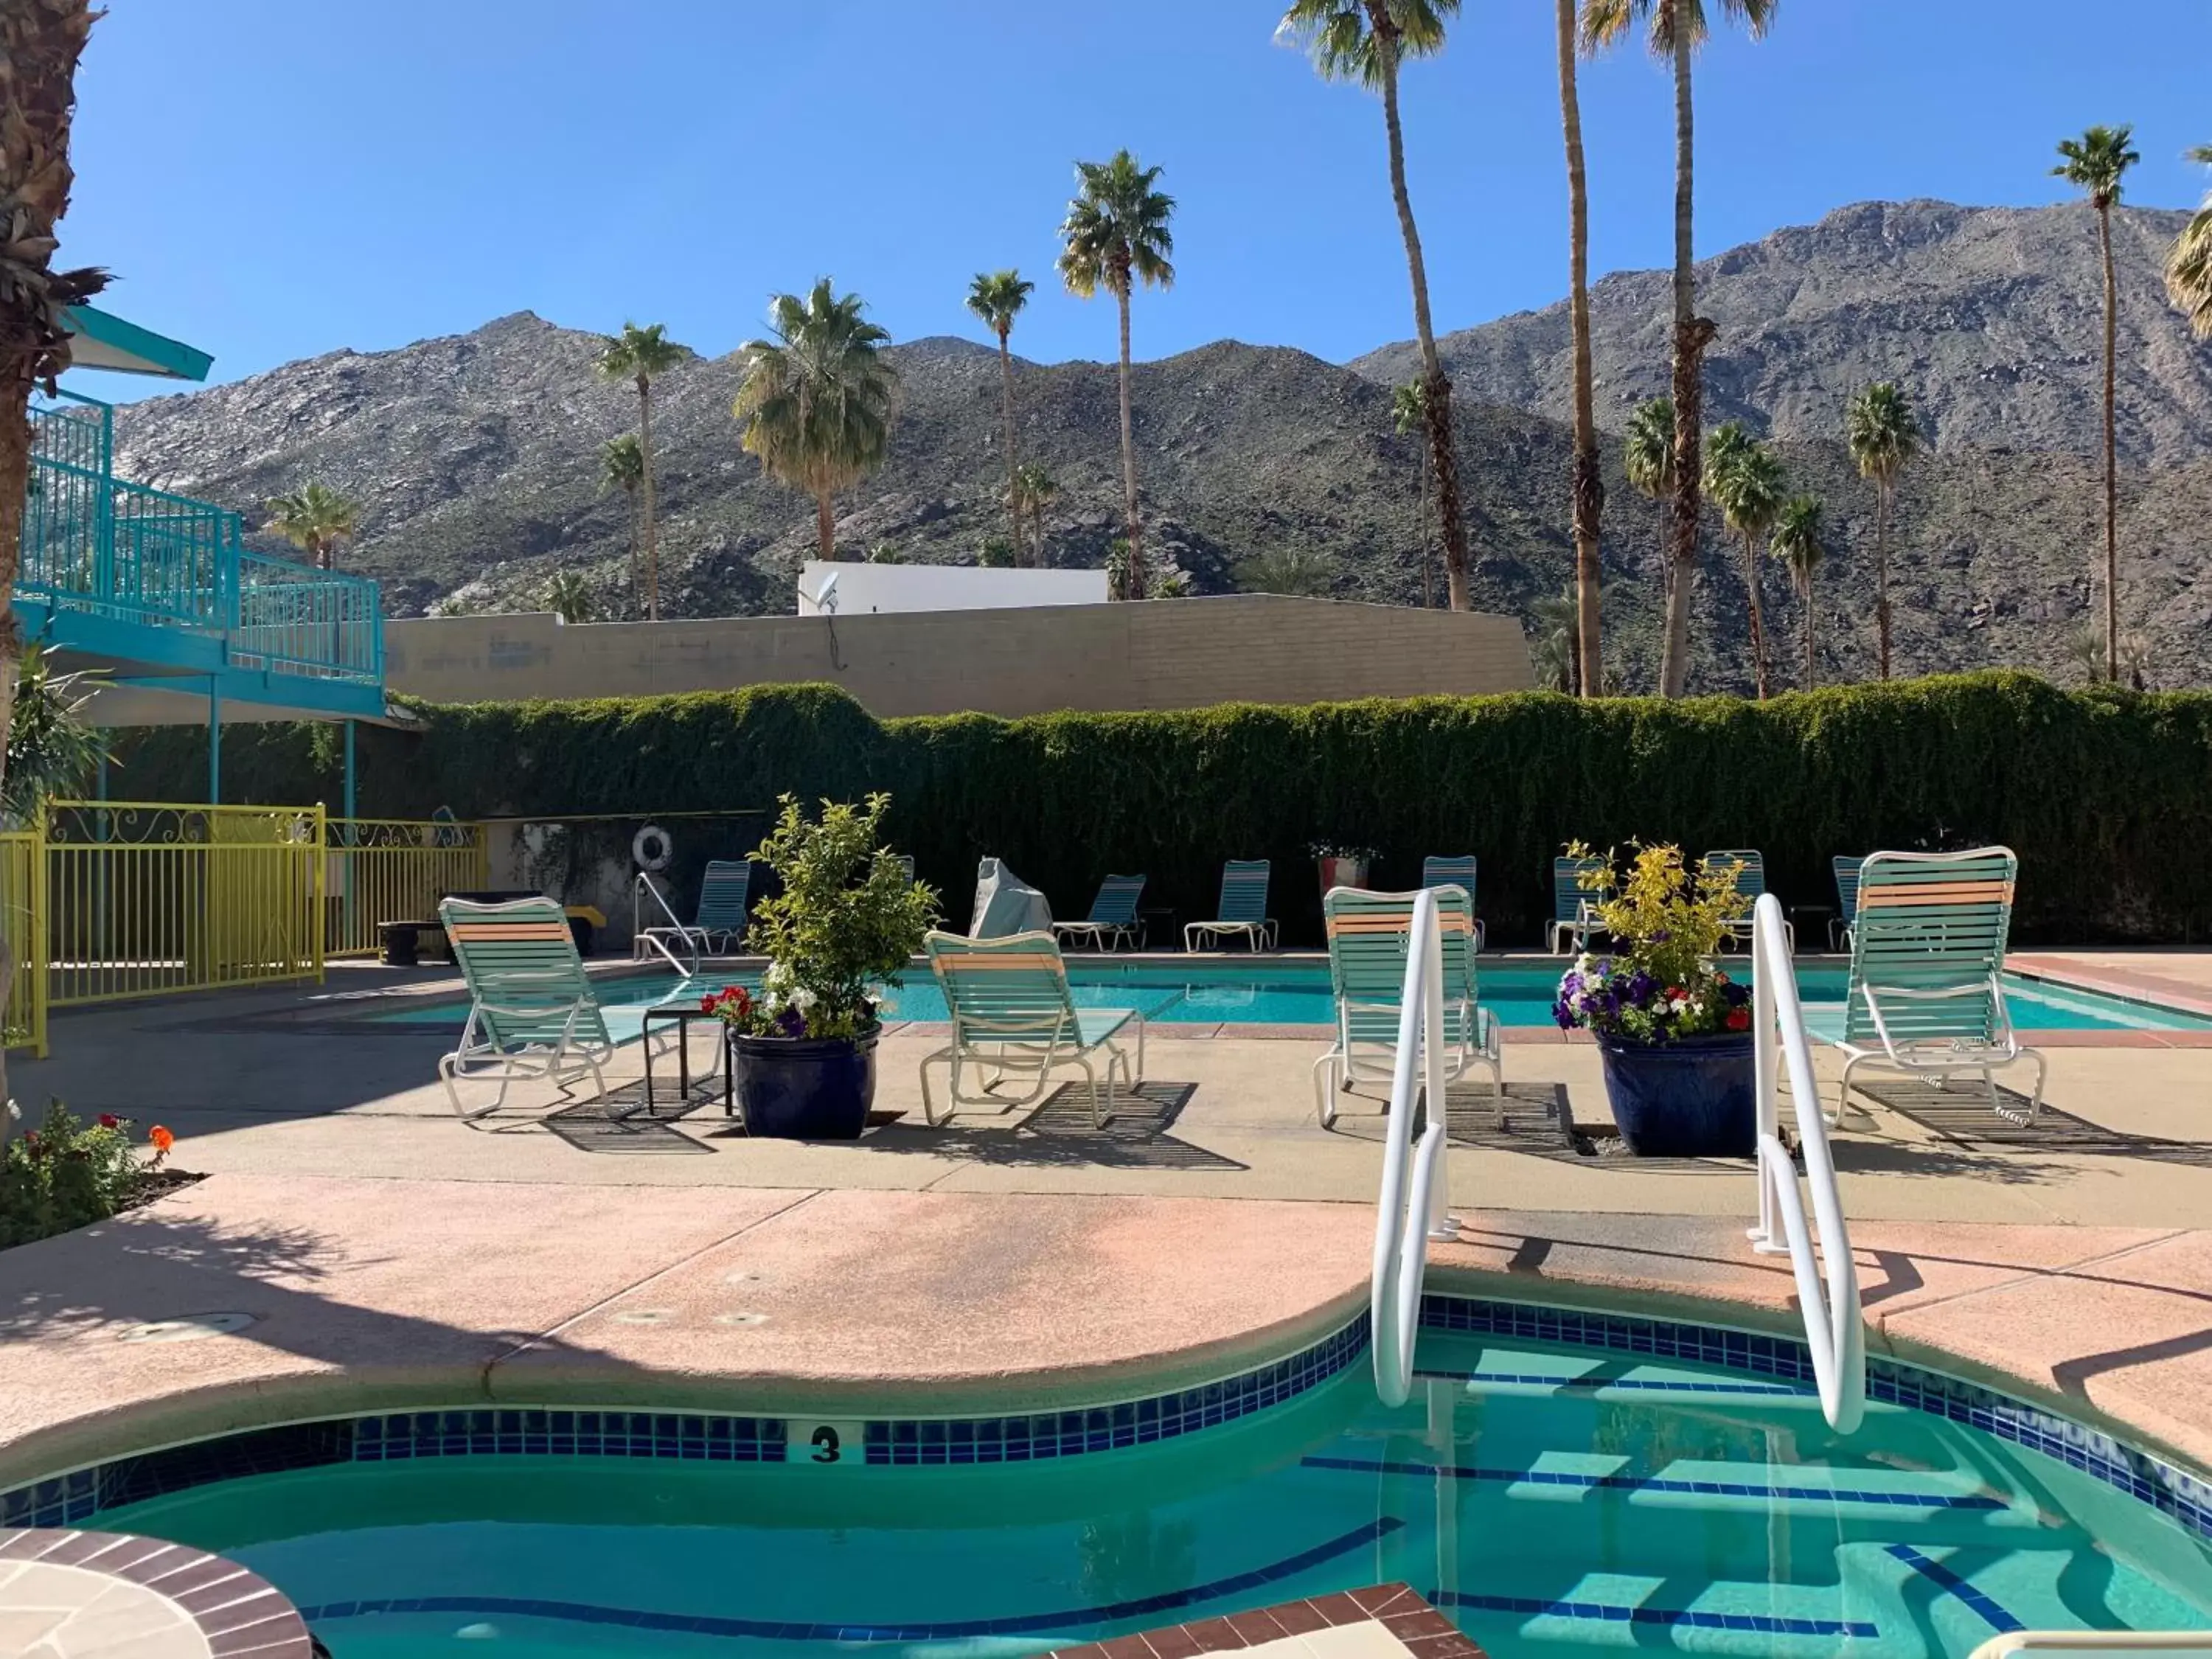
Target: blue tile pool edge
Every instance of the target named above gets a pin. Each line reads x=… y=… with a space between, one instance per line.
x=76 y=1495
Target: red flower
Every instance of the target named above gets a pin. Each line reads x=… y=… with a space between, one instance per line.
x=1739 y=1020
x=162 y=1138
x=1674 y=991
x=707 y=1003
x=109 y=1121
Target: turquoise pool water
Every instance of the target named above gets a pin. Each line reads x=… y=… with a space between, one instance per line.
x=1555 y=1501
x=1274 y=992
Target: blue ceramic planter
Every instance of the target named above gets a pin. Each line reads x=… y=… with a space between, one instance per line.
x=1694 y=1098
x=803 y=1088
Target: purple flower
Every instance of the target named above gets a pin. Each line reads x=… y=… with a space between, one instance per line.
x=1735 y=994
x=1564 y=1015
x=1641 y=988
x=791 y=1022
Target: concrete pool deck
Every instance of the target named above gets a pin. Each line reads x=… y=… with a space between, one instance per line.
x=384 y=1251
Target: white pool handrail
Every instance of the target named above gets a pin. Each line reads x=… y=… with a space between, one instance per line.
x=1413 y=1206
x=642 y=932
x=1835 y=1324
x=2028 y=1644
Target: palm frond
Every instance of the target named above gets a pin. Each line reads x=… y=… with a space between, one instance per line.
x=640 y=353
x=1116 y=228
x=1651 y=448
x=2096 y=162
x=1799 y=539
x=818 y=400
x=1882 y=431
x=997 y=297
x=2188 y=267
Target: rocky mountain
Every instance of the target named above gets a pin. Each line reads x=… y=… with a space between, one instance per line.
x=1993 y=317
x=477 y=460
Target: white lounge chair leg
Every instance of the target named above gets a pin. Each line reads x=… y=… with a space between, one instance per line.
x=1324 y=1082
x=1843 y=1095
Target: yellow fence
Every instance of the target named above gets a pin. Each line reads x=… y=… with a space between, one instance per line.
x=380 y=870
x=143 y=899
x=24 y=1021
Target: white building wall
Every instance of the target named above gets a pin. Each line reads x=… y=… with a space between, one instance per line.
x=868 y=589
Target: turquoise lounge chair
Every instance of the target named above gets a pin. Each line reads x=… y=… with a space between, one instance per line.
x=1369 y=936
x=1454 y=872
x=1750 y=867
x=1242 y=912
x=1847 y=901
x=1112 y=920
x=718 y=923
x=1927 y=987
x=1571 y=922
x=531 y=1014
x=1012 y=1012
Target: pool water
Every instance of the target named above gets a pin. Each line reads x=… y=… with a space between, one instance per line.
x=1553 y=1501
x=1275 y=992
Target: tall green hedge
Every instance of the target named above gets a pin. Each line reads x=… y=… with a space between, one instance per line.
x=2107 y=795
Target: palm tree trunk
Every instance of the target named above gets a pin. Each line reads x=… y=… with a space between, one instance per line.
x=1428 y=549
x=1131 y=528
x=1807 y=592
x=636 y=596
x=2111 y=464
x=1589 y=478
x=1436 y=388
x=1758 y=615
x=652 y=540
x=825 y=527
x=1691 y=334
x=1006 y=405
x=1881 y=572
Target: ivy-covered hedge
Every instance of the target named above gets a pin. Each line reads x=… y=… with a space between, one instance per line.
x=2107 y=795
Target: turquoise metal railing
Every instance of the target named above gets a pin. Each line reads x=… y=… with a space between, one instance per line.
x=97 y=544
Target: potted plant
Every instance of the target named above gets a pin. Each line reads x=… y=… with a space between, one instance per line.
x=1673 y=1031
x=1342 y=866
x=848 y=921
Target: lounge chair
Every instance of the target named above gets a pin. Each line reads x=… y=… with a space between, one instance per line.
x=721 y=918
x=1454 y=872
x=532 y=1014
x=1927 y=987
x=1750 y=867
x=1847 y=901
x=1243 y=912
x=1369 y=937
x=1113 y=920
x=1012 y=1012
x=1573 y=920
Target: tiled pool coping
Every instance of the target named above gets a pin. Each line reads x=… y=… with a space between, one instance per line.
x=77 y=1495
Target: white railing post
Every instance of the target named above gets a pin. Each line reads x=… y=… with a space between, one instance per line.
x=1835 y=1326
x=1413 y=1206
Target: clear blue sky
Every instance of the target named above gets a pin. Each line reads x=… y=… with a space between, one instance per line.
x=273 y=179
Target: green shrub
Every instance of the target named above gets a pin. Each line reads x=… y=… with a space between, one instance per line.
x=2106 y=795
x=65 y=1174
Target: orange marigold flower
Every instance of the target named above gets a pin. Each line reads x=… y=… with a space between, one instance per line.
x=162 y=1138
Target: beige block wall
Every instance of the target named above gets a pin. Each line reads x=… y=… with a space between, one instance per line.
x=1162 y=653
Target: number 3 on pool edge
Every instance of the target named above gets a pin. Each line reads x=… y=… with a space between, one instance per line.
x=839 y=1443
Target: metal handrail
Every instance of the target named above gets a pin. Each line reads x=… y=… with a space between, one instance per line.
x=1835 y=1324
x=2026 y=1643
x=1411 y=1209
x=645 y=884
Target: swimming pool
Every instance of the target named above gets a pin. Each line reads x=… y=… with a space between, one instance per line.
x=1272 y=991
x=1552 y=1498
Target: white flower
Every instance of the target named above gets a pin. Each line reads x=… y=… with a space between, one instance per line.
x=777 y=978
x=804 y=999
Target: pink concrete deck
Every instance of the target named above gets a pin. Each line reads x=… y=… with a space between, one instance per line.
x=368 y=1293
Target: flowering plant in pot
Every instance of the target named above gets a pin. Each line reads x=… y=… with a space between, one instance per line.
x=1341 y=866
x=1673 y=1028
x=848 y=922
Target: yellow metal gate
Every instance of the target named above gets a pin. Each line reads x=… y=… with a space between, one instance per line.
x=384 y=870
x=22 y=888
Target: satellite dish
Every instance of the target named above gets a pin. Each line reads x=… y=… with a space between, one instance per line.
x=824 y=598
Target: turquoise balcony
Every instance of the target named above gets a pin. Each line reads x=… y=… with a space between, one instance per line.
x=160 y=593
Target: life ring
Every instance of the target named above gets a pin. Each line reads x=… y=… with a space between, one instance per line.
x=651 y=847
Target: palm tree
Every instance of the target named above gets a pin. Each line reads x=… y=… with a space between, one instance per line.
x=314 y=520
x=2085 y=649
x=1649 y=455
x=1409 y=414
x=1034 y=489
x=818 y=399
x=569 y=596
x=1589 y=489
x=2095 y=164
x=1744 y=478
x=1677 y=29
x=639 y=355
x=621 y=467
x=2189 y=268
x=1883 y=435
x=1296 y=571
x=1116 y=235
x=1799 y=544
x=1555 y=622
x=1367 y=41
x=998 y=297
